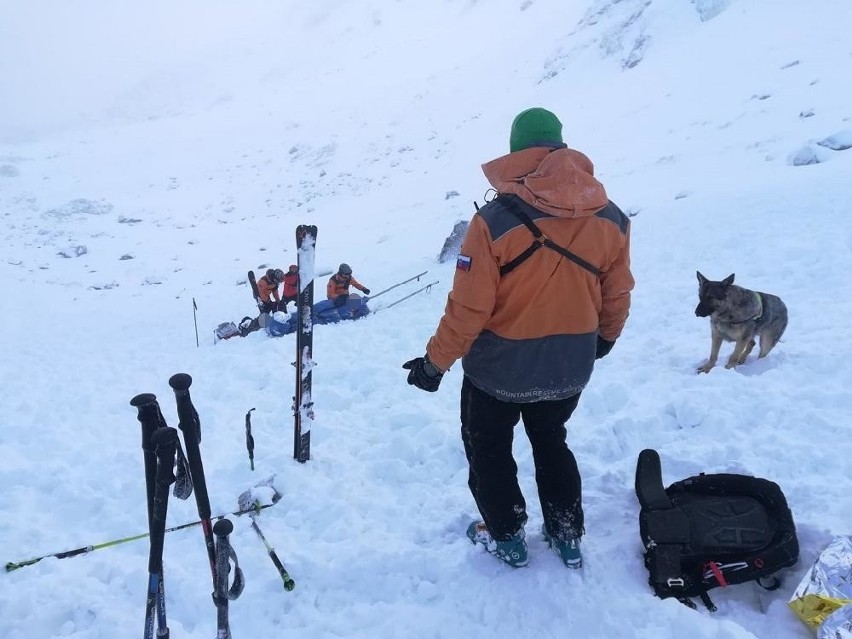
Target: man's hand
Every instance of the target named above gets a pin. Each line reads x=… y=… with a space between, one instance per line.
x=603 y=348
x=366 y=291
x=423 y=374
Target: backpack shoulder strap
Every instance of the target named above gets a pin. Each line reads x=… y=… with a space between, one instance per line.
x=512 y=205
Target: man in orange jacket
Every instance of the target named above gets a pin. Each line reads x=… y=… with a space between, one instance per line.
x=267 y=288
x=339 y=283
x=541 y=290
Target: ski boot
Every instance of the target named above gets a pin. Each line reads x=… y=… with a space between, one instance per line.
x=512 y=551
x=568 y=550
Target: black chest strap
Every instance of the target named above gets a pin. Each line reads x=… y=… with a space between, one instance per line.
x=540 y=240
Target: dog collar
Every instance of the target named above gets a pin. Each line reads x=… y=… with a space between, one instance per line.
x=759 y=300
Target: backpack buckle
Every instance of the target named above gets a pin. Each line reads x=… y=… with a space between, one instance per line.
x=675 y=582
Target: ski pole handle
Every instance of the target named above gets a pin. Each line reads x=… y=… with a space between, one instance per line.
x=148 y=414
x=223 y=528
x=188 y=416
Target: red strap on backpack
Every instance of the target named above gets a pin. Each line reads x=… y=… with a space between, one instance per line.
x=714 y=568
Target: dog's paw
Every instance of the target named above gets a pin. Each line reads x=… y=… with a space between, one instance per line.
x=706 y=368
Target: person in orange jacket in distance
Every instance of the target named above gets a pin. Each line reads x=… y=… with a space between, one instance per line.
x=339 y=283
x=291 y=287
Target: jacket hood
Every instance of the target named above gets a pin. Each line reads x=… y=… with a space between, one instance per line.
x=560 y=182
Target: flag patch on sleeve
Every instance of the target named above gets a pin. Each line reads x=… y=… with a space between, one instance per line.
x=463 y=263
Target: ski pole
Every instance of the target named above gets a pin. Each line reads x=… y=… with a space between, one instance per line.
x=402 y=299
x=151 y=419
x=15 y=565
x=190 y=425
x=195 y=321
x=244 y=502
x=221 y=593
x=289 y=584
x=165 y=440
x=249 y=439
x=416 y=277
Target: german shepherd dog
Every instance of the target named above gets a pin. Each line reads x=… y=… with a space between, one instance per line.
x=739 y=315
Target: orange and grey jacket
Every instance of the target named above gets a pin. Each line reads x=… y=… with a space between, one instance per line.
x=265 y=289
x=339 y=285
x=530 y=334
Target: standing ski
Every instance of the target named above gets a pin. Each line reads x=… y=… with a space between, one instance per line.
x=254 y=291
x=303 y=406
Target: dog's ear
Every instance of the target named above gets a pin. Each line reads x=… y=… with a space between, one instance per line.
x=728 y=280
x=701 y=278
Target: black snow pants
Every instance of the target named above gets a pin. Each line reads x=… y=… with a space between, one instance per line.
x=487 y=429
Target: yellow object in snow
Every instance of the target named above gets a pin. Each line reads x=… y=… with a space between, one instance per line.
x=823 y=599
x=813 y=608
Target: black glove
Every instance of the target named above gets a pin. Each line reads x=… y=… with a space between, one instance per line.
x=603 y=348
x=423 y=374
x=266 y=307
x=366 y=291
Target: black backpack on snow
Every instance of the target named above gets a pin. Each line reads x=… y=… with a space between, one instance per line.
x=711 y=531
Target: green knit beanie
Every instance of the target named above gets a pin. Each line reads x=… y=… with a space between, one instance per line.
x=535 y=127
